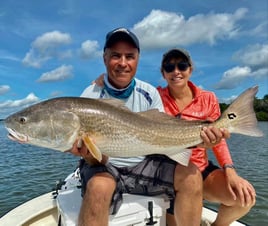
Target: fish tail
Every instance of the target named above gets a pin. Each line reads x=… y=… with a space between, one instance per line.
x=240 y=115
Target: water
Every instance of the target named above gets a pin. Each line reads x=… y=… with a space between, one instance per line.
x=27 y=171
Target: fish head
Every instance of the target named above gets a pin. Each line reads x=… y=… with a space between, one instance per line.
x=44 y=126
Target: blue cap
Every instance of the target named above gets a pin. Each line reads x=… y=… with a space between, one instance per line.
x=119 y=34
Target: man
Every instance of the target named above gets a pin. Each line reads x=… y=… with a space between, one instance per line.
x=104 y=183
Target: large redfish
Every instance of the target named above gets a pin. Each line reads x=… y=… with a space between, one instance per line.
x=108 y=127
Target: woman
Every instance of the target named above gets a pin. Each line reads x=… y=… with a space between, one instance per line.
x=182 y=99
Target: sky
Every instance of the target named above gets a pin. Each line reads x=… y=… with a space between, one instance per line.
x=54 y=48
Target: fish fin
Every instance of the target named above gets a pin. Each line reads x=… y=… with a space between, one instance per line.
x=155 y=114
x=182 y=157
x=92 y=148
x=115 y=102
x=240 y=115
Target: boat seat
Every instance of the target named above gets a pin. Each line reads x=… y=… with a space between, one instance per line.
x=135 y=209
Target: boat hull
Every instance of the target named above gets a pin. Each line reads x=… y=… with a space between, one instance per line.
x=61 y=207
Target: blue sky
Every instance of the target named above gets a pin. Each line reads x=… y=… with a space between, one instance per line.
x=54 y=48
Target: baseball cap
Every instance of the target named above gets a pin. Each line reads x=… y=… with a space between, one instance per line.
x=175 y=53
x=121 y=34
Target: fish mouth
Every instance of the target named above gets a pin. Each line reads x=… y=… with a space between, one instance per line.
x=14 y=135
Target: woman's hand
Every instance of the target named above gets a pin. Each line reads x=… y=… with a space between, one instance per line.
x=99 y=81
x=240 y=188
x=212 y=136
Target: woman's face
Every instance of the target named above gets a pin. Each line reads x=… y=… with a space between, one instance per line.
x=177 y=72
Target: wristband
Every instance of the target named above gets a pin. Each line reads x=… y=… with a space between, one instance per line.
x=231 y=166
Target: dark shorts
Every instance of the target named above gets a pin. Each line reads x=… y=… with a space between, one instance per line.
x=153 y=176
x=210 y=168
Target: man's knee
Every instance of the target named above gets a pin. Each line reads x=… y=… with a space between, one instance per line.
x=100 y=189
x=188 y=178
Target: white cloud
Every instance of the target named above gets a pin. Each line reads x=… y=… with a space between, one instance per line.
x=159 y=26
x=89 y=49
x=61 y=73
x=51 y=40
x=254 y=56
x=228 y=100
x=260 y=73
x=10 y=105
x=233 y=77
x=46 y=47
x=254 y=65
x=14 y=105
x=4 y=89
x=31 y=98
x=260 y=30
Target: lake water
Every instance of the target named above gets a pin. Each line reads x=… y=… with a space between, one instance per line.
x=27 y=171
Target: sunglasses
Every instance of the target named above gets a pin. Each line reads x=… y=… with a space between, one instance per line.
x=182 y=66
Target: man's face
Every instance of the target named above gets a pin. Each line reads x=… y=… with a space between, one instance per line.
x=121 y=61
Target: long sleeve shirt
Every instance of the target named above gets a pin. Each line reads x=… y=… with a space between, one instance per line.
x=203 y=106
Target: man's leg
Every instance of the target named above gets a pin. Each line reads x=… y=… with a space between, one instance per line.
x=96 y=201
x=188 y=201
x=170 y=219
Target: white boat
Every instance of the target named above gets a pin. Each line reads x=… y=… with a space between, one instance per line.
x=61 y=207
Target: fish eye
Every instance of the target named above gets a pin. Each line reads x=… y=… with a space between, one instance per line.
x=22 y=120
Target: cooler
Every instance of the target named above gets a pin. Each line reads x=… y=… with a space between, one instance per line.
x=136 y=210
